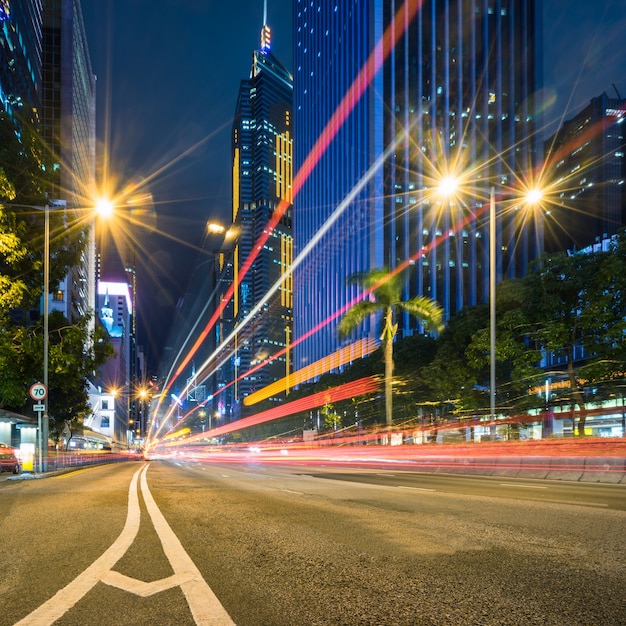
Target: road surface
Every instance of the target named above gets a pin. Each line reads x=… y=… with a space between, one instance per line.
x=166 y=543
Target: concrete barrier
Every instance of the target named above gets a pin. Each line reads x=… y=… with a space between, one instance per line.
x=566 y=468
x=456 y=465
x=534 y=467
x=507 y=466
x=575 y=469
x=609 y=469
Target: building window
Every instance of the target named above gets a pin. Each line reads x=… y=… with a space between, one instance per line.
x=58 y=295
x=104 y=422
x=105 y=404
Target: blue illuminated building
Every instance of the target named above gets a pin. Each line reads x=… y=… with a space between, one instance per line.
x=20 y=58
x=413 y=91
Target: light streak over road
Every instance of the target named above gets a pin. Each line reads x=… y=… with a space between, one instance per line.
x=358 y=87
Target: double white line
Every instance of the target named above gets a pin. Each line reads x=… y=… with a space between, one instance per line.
x=203 y=603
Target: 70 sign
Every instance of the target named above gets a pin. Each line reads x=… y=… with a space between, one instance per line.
x=38 y=391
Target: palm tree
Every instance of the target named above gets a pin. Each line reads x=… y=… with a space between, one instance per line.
x=386 y=288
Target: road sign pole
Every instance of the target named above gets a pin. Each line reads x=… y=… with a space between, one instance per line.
x=39 y=393
x=46 y=304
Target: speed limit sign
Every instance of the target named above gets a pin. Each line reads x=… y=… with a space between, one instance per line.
x=38 y=391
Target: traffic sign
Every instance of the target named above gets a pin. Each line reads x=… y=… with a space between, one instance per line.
x=38 y=391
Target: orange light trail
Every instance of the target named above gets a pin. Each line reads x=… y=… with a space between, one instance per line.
x=342 y=356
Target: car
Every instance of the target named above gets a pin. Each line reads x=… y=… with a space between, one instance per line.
x=8 y=461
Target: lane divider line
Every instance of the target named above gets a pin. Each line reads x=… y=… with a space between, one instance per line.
x=521 y=486
x=204 y=605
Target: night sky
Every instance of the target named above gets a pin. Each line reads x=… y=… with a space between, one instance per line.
x=168 y=75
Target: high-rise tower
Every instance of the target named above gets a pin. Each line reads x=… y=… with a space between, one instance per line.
x=588 y=153
x=262 y=144
x=68 y=128
x=390 y=97
x=20 y=58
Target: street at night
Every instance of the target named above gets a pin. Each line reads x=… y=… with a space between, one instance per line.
x=312 y=313
x=296 y=545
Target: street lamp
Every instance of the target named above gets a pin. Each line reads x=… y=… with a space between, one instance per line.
x=43 y=424
x=104 y=208
x=448 y=187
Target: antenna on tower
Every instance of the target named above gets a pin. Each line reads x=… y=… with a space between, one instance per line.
x=266 y=33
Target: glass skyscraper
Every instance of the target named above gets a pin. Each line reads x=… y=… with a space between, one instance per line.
x=20 y=58
x=68 y=128
x=262 y=143
x=589 y=153
x=390 y=97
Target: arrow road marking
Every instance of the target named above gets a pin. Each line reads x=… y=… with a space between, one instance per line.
x=205 y=607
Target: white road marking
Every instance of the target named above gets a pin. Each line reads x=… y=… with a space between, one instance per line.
x=522 y=486
x=415 y=488
x=298 y=493
x=204 y=605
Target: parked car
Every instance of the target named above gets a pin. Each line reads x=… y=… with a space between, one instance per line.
x=8 y=461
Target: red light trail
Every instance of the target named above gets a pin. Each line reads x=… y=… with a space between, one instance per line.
x=382 y=50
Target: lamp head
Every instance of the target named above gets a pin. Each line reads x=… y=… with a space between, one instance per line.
x=104 y=207
x=447 y=186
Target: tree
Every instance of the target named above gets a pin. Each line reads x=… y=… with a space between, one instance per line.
x=75 y=354
x=454 y=378
x=24 y=178
x=577 y=310
x=517 y=355
x=386 y=290
x=330 y=418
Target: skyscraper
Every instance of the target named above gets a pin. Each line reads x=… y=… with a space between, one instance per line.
x=588 y=155
x=389 y=98
x=262 y=145
x=68 y=129
x=20 y=58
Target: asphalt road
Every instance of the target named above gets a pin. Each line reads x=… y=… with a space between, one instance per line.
x=166 y=543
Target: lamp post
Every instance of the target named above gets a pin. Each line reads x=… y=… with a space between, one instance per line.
x=448 y=187
x=492 y=303
x=104 y=208
x=43 y=427
x=531 y=197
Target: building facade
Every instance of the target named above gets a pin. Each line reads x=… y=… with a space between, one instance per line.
x=20 y=56
x=389 y=98
x=262 y=157
x=587 y=156
x=114 y=404
x=68 y=128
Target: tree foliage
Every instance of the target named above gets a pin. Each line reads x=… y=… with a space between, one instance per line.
x=24 y=178
x=576 y=309
x=75 y=352
x=568 y=308
x=385 y=291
